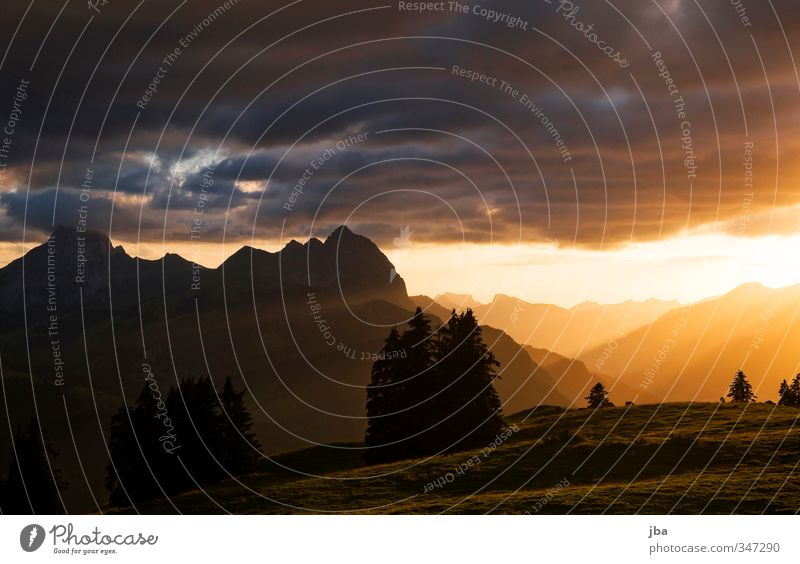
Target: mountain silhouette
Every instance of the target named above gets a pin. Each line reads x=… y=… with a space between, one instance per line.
x=568 y=332
x=297 y=329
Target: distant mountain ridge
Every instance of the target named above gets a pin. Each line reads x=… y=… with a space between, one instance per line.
x=568 y=332
x=346 y=263
x=693 y=352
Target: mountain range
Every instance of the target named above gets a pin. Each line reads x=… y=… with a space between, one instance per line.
x=299 y=328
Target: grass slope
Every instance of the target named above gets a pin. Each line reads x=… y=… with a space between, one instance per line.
x=652 y=459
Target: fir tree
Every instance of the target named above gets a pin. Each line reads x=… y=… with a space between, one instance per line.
x=740 y=389
x=598 y=397
x=140 y=468
x=195 y=411
x=383 y=429
x=789 y=394
x=784 y=394
x=465 y=401
x=415 y=379
x=166 y=446
x=431 y=394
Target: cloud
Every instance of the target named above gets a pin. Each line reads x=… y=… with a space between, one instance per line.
x=556 y=143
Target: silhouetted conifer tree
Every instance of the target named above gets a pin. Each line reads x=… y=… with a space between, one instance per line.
x=784 y=397
x=740 y=389
x=195 y=412
x=436 y=394
x=465 y=402
x=31 y=488
x=384 y=427
x=166 y=446
x=415 y=380
x=789 y=394
x=794 y=390
x=140 y=468
x=598 y=397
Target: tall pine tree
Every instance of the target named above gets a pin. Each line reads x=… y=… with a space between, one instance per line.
x=789 y=394
x=140 y=468
x=740 y=389
x=415 y=379
x=466 y=402
x=384 y=428
x=598 y=397
x=166 y=446
x=438 y=394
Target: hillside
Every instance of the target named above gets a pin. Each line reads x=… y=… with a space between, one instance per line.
x=651 y=459
x=574 y=380
x=692 y=353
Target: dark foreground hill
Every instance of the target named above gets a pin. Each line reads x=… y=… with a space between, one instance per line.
x=651 y=459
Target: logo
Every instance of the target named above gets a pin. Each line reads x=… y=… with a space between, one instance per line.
x=31 y=538
x=404 y=240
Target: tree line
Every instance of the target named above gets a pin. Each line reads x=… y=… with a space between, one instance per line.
x=432 y=391
x=195 y=436
x=739 y=391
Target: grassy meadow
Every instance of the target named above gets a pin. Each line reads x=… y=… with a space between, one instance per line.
x=651 y=459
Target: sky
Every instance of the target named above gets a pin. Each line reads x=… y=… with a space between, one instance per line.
x=557 y=151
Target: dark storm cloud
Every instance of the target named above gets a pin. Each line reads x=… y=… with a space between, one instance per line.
x=152 y=98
